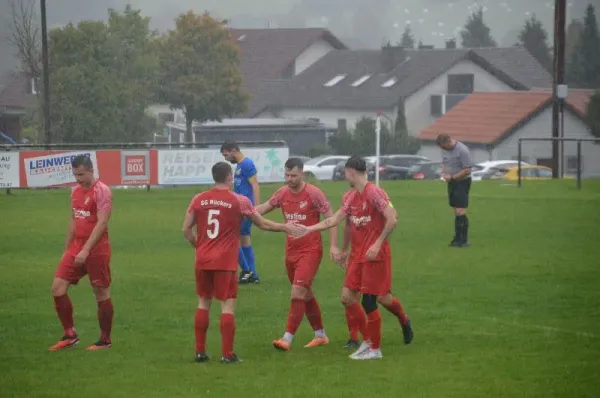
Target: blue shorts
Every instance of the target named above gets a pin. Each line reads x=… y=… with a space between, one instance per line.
x=246 y=227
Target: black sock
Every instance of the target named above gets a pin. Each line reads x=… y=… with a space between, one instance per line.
x=457 y=226
x=463 y=226
x=465 y=232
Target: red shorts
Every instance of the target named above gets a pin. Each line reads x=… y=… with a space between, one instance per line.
x=369 y=277
x=222 y=285
x=301 y=269
x=96 y=266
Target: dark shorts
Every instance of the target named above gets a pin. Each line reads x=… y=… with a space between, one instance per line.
x=458 y=193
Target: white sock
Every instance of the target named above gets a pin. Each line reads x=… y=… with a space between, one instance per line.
x=288 y=337
x=320 y=333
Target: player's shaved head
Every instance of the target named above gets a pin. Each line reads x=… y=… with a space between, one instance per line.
x=82 y=161
x=294 y=162
x=220 y=172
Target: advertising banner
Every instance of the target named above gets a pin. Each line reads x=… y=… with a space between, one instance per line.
x=9 y=170
x=47 y=169
x=135 y=167
x=193 y=166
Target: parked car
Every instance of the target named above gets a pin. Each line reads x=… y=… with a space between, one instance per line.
x=425 y=171
x=528 y=172
x=482 y=168
x=322 y=167
x=391 y=167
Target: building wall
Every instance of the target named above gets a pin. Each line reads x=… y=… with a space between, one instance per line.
x=541 y=127
x=433 y=152
x=312 y=54
x=418 y=105
x=329 y=116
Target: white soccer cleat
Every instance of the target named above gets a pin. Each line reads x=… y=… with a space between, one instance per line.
x=370 y=354
x=364 y=346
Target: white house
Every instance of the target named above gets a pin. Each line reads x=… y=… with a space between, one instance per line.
x=491 y=124
x=349 y=84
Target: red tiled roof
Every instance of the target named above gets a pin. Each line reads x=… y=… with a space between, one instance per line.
x=485 y=117
x=266 y=53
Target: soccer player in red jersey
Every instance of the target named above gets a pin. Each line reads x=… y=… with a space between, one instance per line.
x=87 y=251
x=372 y=219
x=217 y=215
x=302 y=203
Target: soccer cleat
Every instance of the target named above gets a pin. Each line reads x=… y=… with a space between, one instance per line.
x=201 y=357
x=364 y=347
x=352 y=344
x=407 y=332
x=246 y=277
x=65 y=342
x=282 y=345
x=254 y=281
x=369 y=354
x=317 y=341
x=99 y=345
x=231 y=359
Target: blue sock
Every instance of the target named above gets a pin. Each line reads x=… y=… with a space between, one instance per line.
x=249 y=254
x=242 y=260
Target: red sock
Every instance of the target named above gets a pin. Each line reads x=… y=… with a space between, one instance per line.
x=313 y=313
x=201 y=321
x=297 y=310
x=359 y=319
x=64 y=310
x=352 y=328
x=227 y=334
x=105 y=318
x=397 y=309
x=374 y=323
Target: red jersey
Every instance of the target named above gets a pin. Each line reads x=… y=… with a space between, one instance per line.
x=218 y=214
x=304 y=207
x=366 y=219
x=85 y=204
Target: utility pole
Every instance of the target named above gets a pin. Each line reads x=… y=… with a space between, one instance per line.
x=46 y=75
x=560 y=7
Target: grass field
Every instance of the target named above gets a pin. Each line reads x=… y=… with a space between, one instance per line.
x=515 y=315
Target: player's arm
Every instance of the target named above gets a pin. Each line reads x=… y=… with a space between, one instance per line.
x=188 y=227
x=267 y=225
x=329 y=222
x=271 y=204
x=103 y=198
x=333 y=231
x=382 y=203
x=252 y=175
x=70 y=232
x=347 y=235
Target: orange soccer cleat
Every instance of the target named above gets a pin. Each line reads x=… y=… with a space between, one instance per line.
x=282 y=344
x=65 y=342
x=99 y=345
x=317 y=341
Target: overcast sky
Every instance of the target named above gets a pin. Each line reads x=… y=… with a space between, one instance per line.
x=432 y=21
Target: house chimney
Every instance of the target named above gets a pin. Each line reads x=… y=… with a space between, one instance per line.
x=451 y=43
x=391 y=57
x=426 y=47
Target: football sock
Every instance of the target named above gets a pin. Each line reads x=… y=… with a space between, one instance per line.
x=64 y=310
x=105 y=318
x=227 y=334
x=465 y=230
x=359 y=319
x=313 y=314
x=201 y=321
x=297 y=310
x=352 y=328
x=288 y=337
x=456 y=228
x=397 y=309
x=374 y=323
x=250 y=259
x=242 y=261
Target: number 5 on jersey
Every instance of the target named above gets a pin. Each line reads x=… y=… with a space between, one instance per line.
x=214 y=222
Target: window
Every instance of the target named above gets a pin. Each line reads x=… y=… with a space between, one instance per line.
x=436 y=105
x=528 y=173
x=361 y=80
x=461 y=84
x=390 y=82
x=544 y=173
x=335 y=80
x=571 y=166
x=330 y=162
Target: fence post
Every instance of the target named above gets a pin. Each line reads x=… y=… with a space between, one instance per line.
x=579 y=164
x=519 y=164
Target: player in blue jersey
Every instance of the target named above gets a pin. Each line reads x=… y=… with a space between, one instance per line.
x=246 y=184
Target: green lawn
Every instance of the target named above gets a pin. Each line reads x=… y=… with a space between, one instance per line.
x=516 y=314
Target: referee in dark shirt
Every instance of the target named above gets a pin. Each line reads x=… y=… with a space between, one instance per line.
x=456 y=171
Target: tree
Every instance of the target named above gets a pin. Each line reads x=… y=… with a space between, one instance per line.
x=363 y=137
x=476 y=33
x=103 y=78
x=585 y=59
x=593 y=114
x=407 y=40
x=534 y=38
x=25 y=35
x=401 y=140
x=200 y=70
